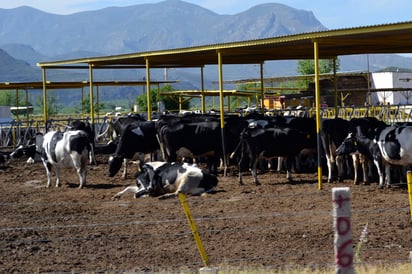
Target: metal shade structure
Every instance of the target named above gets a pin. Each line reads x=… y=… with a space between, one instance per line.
x=386 y=38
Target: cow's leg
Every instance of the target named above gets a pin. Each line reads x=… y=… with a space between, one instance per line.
x=364 y=164
x=329 y=162
x=254 y=171
x=82 y=171
x=340 y=165
x=48 y=168
x=355 y=160
x=57 y=171
x=280 y=164
x=289 y=161
x=125 y=161
x=138 y=191
x=388 y=178
x=380 y=168
x=80 y=164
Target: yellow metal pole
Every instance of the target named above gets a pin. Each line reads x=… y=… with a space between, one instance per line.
x=148 y=91
x=91 y=94
x=203 y=90
x=43 y=70
x=409 y=181
x=335 y=86
x=317 y=99
x=194 y=229
x=262 y=90
x=222 y=110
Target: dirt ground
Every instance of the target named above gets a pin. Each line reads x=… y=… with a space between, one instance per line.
x=275 y=225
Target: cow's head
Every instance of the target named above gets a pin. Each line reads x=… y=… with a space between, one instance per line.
x=115 y=163
x=349 y=145
x=145 y=179
x=29 y=151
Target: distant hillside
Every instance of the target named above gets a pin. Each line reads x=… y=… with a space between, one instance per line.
x=30 y=36
x=12 y=70
x=145 y=27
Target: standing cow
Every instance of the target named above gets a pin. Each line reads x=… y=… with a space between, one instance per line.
x=136 y=137
x=268 y=143
x=60 y=149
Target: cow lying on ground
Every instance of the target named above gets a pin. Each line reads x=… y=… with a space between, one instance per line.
x=166 y=180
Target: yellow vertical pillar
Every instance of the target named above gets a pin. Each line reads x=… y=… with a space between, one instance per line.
x=222 y=110
x=148 y=91
x=43 y=70
x=262 y=89
x=203 y=106
x=91 y=94
x=317 y=101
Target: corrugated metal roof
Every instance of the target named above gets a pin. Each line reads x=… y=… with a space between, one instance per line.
x=385 y=38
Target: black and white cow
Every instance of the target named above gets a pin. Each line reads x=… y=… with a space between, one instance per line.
x=268 y=143
x=60 y=149
x=86 y=127
x=30 y=151
x=367 y=147
x=366 y=127
x=137 y=137
x=391 y=146
x=164 y=180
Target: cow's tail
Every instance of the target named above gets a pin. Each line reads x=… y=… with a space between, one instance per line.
x=233 y=154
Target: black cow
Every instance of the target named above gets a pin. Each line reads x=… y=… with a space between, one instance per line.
x=166 y=180
x=199 y=135
x=137 y=137
x=267 y=143
x=333 y=133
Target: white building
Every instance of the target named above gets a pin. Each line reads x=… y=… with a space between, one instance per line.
x=401 y=80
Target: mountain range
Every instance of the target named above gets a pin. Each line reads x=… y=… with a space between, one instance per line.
x=29 y=36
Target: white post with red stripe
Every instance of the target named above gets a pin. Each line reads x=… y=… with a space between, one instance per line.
x=342 y=230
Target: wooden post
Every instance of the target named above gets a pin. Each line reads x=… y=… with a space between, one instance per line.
x=342 y=230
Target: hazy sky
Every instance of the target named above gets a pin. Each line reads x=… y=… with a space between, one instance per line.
x=333 y=14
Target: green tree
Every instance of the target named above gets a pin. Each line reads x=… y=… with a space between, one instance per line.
x=308 y=66
x=86 y=106
x=51 y=104
x=170 y=102
x=8 y=98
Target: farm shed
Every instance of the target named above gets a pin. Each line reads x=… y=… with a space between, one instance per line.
x=387 y=38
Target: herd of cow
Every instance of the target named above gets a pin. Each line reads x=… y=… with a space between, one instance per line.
x=177 y=146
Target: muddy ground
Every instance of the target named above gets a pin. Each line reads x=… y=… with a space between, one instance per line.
x=275 y=225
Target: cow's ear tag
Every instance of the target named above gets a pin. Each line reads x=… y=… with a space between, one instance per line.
x=355 y=143
x=308 y=136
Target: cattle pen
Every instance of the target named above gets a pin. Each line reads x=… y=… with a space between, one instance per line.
x=277 y=226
